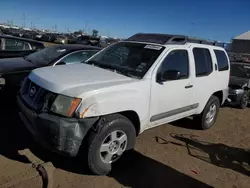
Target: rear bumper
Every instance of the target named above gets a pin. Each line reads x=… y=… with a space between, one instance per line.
x=58 y=134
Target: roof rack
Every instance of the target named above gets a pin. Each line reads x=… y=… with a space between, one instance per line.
x=166 y=39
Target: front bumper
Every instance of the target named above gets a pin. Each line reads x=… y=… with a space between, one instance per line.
x=2 y=83
x=59 y=134
x=235 y=96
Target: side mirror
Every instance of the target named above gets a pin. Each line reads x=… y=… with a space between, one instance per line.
x=168 y=75
x=61 y=63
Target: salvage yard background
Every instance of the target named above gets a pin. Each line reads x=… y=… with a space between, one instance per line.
x=172 y=155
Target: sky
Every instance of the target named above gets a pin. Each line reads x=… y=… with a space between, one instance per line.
x=208 y=19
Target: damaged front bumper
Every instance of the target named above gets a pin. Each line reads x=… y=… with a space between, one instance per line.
x=59 y=134
x=2 y=83
x=235 y=96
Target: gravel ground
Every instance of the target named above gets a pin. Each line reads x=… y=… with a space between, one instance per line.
x=172 y=155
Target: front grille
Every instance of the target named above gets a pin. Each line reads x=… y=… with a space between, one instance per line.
x=36 y=97
x=233 y=87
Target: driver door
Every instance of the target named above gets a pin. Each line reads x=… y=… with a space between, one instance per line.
x=172 y=99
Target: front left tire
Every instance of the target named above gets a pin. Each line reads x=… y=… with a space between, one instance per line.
x=114 y=136
x=244 y=100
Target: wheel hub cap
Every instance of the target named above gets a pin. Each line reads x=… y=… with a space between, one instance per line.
x=211 y=114
x=113 y=146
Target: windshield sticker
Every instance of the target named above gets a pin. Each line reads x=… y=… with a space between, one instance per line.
x=61 y=50
x=153 y=47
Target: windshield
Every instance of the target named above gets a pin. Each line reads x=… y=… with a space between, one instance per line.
x=240 y=70
x=47 y=55
x=130 y=59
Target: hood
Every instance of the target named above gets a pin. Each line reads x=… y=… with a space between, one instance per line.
x=236 y=81
x=73 y=80
x=15 y=64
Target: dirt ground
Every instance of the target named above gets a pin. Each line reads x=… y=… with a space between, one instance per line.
x=172 y=155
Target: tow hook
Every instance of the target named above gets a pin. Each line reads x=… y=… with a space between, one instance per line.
x=45 y=170
x=42 y=172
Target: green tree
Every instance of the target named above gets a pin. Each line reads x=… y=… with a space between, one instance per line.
x=94 y=32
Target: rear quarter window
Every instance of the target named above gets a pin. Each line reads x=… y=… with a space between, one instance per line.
x=222 y=60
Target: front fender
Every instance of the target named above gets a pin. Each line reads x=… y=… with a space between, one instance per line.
x=113 y=102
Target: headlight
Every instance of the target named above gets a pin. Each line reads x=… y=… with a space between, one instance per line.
x=65 y=105
x=2 y=81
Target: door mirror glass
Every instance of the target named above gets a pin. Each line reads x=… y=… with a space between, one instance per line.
x=169 y=75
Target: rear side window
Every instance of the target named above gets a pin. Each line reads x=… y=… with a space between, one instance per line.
x=35 y=46
x=221 y=60
x=203 y=62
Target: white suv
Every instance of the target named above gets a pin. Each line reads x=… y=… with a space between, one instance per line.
x=128 y=87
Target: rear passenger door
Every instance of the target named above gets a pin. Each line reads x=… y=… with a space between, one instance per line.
x=206 y=79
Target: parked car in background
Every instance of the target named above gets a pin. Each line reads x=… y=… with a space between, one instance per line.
x=14 y=70
x=46 y=37
x=86 y=40
x=11 y=46
x=239 y=85
x=30 y=35
x=128 y=87
x=61 y=39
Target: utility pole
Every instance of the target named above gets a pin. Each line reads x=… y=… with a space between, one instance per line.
x=192 y=29
x=24 y=20
x=86 y=26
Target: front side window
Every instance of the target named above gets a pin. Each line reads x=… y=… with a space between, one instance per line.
x=78 y=57
x=221 y=60
x=130 y=59
x=177 y=60
x=14 y=45
x=203 y=62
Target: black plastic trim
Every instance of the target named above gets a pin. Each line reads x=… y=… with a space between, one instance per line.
x=173 y=112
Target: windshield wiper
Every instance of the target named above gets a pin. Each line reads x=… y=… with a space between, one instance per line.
x=116 y=69
x=110 y=67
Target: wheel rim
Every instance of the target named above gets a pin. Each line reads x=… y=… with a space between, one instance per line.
x=211 y=114
x=113 y=146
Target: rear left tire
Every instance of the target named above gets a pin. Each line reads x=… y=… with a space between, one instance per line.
x=207 y=118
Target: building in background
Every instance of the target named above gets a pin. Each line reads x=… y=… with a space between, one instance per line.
x=241 y=43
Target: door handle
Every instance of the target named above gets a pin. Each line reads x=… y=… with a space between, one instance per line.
x=188 y=86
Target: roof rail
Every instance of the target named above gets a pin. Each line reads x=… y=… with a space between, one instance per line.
x=166 y=39
x=200 y=41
